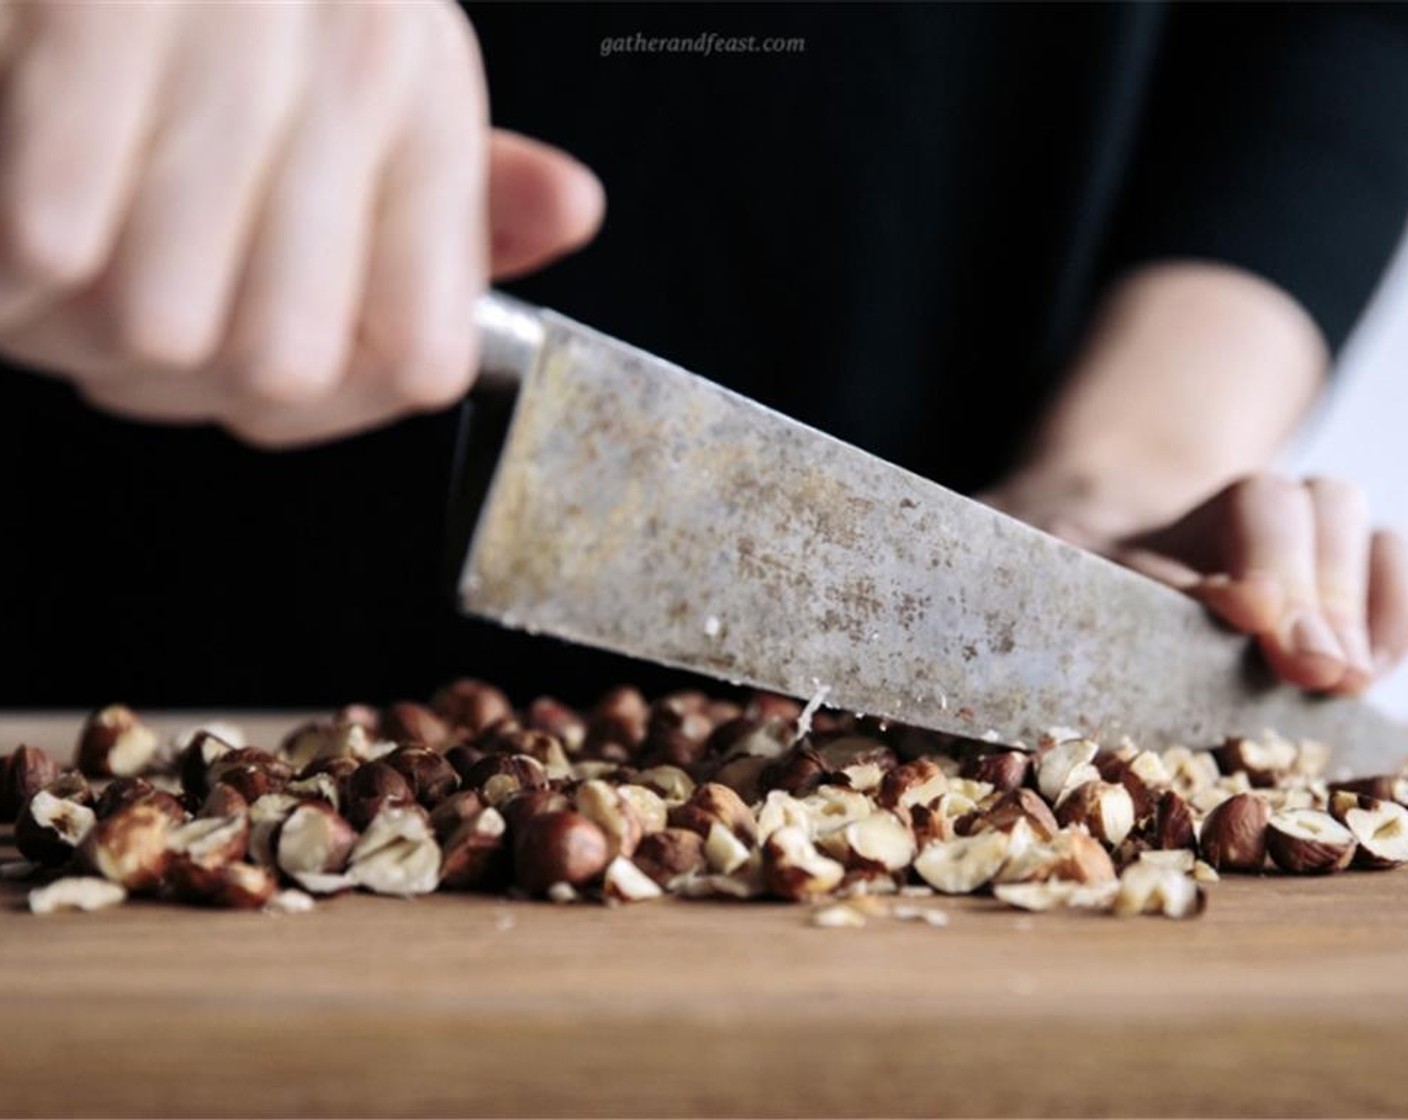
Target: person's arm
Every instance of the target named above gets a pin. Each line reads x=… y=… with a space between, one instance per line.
x=1155 y=453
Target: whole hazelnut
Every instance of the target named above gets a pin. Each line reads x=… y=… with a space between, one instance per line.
x=375 y=786
x=558 y=720
x=471 y=704
x=476 y=855
x=115 y=743
x=1233 y=836
x=530 y=803
x=408 y=723
x=23 y=774
x=1173 y=823
x=561 y=847
x=1003 y=770
x=430 y=777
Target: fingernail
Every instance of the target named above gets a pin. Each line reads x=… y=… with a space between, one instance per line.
x=1312 y=636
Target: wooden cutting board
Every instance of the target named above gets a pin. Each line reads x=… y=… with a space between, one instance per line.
x=1289 y=997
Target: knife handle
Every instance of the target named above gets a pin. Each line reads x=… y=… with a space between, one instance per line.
x=510 y=337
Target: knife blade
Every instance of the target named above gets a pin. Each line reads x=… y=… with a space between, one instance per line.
x=613 y=499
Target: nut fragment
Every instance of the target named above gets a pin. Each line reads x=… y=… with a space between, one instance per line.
x=1263 y=761
x=714 y=803
x=1381 y=830
x=1308 y=842
x=1147 y=888
x=1019 y=805
x=1003 y=770
x=920 y=782
x=314 y=840
x=130 y=847
x=669 y=854
x=1173 y=822
x=430 y=777
x=558 y=847
x=374 y=787
x=76 y=893
x=1056 y=894
x=233 y=886
x=476 y=855
x=880 y=842
x=625 y=882
x=793 y=869
x=1233 y=836
x=1064 y=767
x=397 y=854
x=601 y=804
x=211 y=841
x=50 y=828
x=1104 y=808
x=114 y=742
x=964 y=864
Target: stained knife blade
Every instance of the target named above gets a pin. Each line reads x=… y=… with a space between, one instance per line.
x=613 y=499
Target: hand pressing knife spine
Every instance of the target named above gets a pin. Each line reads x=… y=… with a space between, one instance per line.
x=616 y=500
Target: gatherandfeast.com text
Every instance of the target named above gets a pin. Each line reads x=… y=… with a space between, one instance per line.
x=706 y=44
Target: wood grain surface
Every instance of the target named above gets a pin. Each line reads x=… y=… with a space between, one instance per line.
x=1289 y=997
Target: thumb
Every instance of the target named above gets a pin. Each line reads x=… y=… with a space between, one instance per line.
x=543 y=204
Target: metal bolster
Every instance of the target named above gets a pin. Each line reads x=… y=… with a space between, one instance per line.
x=510 y=337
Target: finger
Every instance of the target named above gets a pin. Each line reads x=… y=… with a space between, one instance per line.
x=295 y=316
x=429 y=252
x=76 y=108
x=1342 y=534
x=1388 y=599
x=542 y=203
x=1270 y=534
x=177 y=262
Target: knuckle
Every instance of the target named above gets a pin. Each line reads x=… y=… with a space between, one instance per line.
x=48 y=247
x=1269 y=490
x=1339 y=492
x=173 y=339
x=433 y=370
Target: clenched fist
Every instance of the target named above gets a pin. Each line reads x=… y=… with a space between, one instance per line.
x=273 y=217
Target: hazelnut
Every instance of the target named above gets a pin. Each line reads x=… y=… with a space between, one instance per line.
x=558 y=847
x=1233 y=836
x=537 y=745
x=476 y=855
x=1003 y=770
x=1380 y=828
x=797 y=772
x=397 y=854
x=447 y=817
x=650 y=808
x=619 y=717
x=1381 y=787
x=559 y=721
x=601 y=804
x=430 y=777
x=196 y=760
x=233 y=886
x=1147 y=888
x=779 y=810
x=743 y=775
x=210 y=841
x=1173 y=822
x=752 y=738
x=120 y=792
x=1014 y=806
x=625 y=882
x=769 y=706
x=115 y=743
x=1264 y=762
x=529 y=803
x=677 y=730
x=373 y=787
x=76 y=893
x=669 y=854
x=793 y=869
x=1103 y=808
x=712 y=803
x=313 y=840
x=1077 y=857
x=964 y=864
x=865 y=761
x=471 y=704
x=22 y=775
x=130 y=847
x=723 y=851
x=1308 y=842
x=50 y=828
x=266 y=816
x=407 y=723
x=879 y=842
x=920 y=782
x=1056 y=894
x=1065 y=766
x=500 y=776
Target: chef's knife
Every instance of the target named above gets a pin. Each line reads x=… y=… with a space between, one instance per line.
x=612 y=498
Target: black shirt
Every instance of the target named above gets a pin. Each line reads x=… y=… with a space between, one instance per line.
x=896 y=233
